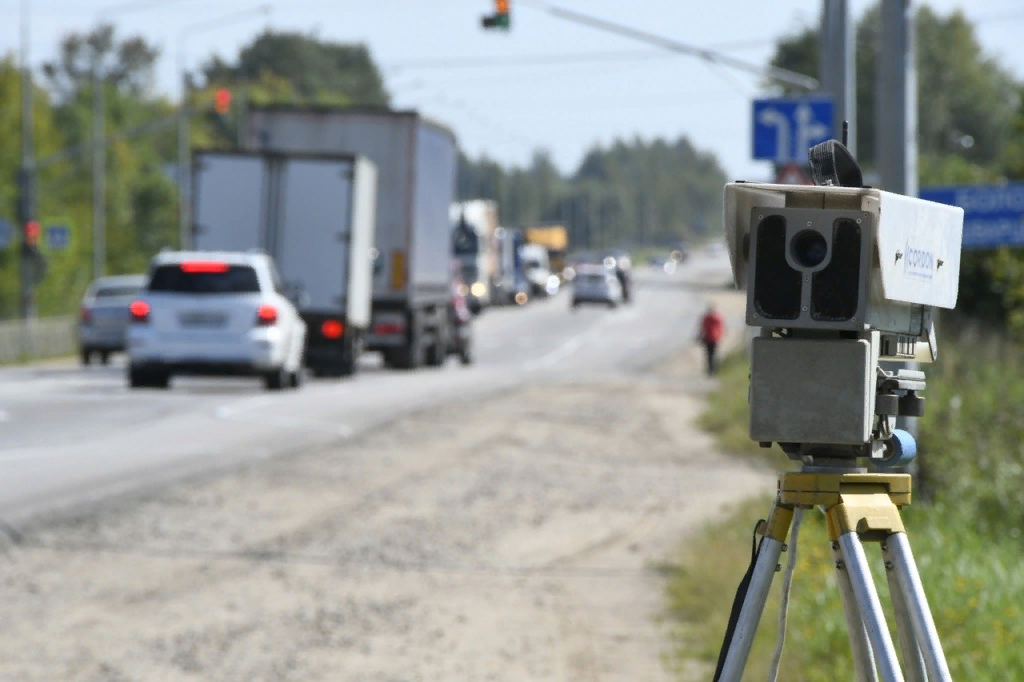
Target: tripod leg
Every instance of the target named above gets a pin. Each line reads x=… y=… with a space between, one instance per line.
x=913 y=661
x=870 y=607
x=863 y=659
x=897 y=553
x=768 y=554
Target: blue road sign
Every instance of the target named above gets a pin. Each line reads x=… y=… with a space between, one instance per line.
x=786 y=127
x=6 y=232
x=993 y=216
x=58 y=237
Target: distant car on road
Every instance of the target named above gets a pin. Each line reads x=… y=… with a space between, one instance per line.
x=214 y=313
x=103 y=321
x=596 y=284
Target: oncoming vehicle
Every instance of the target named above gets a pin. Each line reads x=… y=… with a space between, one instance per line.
x=214 y=313
x=596 y=284
x=103 y=323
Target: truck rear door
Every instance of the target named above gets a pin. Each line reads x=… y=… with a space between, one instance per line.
x=229 y=198
x=312 y=232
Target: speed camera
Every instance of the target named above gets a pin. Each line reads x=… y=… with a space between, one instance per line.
x=844 y=259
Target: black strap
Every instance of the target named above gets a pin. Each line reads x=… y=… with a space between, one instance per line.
x=737 y=603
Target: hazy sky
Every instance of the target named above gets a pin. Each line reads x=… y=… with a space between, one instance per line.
x=507 y=94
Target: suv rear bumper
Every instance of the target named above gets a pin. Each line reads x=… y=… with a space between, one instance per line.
x=202 y=368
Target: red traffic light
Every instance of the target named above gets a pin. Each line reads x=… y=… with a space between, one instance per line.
x=222 y=101
x=32 y=233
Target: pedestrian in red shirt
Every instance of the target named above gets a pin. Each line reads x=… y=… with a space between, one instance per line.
x=712 y=329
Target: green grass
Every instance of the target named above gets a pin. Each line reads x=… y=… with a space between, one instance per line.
x=966 y=540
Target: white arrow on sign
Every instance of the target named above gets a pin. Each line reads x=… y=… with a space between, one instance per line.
x=774 y=117
x=808 y=128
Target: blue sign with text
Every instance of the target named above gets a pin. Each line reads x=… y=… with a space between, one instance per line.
x=786 y=127
x=58 y=237
x=993 y=216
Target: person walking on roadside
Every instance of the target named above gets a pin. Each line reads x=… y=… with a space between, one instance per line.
x=712 y=329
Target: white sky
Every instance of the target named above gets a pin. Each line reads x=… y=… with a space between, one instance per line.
x=508 y=109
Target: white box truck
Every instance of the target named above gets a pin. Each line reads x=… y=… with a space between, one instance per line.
x=315 y=214
x=416 y=160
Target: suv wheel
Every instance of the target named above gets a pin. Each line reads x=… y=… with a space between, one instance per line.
x=276 y=379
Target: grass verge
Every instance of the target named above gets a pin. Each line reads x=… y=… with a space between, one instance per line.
x=966 y=540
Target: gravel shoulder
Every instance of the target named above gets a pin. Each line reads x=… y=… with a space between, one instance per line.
x=510 y=538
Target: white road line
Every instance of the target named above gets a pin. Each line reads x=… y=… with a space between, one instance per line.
x=238 y=412
x=560 y=353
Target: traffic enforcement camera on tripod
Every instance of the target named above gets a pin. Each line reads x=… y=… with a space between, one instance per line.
x=839 y=277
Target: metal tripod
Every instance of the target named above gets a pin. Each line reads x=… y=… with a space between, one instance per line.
x=859 y=507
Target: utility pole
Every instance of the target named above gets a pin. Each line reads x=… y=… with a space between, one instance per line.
x=896 y=99
x=838 y=65
x=896 y=116
x=26 y=174
x=99 y=171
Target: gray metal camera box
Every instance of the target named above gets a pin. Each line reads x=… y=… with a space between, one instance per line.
x=811 y=391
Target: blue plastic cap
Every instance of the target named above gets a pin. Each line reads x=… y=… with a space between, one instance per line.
x=904 y=450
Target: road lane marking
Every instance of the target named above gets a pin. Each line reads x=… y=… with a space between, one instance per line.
x=239 y=412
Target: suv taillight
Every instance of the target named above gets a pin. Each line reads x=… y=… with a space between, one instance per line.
x=266 y=316
x=86 y=316
x=139 y=311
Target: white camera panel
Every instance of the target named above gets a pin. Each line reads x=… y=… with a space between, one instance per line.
x=919 y=249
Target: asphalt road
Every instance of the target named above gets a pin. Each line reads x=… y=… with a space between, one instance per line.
x=73 y=434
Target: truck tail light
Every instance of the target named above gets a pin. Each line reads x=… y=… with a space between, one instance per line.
x=139 y=311
x=86 y=316
x=388 y=328
x=266 y=316
x=332 y=329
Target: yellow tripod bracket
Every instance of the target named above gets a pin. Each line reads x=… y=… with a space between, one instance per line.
x=867 y=504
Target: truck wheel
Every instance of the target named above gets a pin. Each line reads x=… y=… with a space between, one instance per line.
x=349 y=364
x=105 y=357
x=275 y=380
x=437 y=352
x=86 y=355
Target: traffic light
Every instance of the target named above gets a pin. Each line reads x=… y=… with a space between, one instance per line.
x=32 y=233
x=222 y=101
x=500 y=18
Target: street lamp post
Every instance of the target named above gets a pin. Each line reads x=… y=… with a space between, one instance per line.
x=99 y=151
x=184 y=176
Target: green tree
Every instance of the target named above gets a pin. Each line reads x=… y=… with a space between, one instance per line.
x=631 y=193
x=319 y=71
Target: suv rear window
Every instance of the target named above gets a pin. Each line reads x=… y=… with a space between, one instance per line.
x=234 y=279
x=116 y=291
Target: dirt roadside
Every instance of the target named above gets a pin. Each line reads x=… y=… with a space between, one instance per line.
x=507 y=539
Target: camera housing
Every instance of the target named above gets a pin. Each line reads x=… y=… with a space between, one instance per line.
x=844 y=258
x=838 y=279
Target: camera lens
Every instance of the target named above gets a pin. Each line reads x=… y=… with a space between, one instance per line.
x=809 y=248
